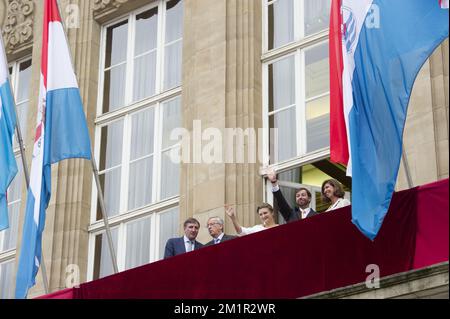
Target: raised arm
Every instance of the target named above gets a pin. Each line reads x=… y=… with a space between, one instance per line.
x=229 y=210
x=283 y=205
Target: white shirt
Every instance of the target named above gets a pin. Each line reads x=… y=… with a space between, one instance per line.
x=251 y=230
x=219 y=238
x=341 y=202
x=188 y=244
x=305 y=212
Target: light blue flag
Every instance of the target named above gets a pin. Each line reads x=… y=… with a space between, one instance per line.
x=390 y=41
x=61 y=133
x=8 y=166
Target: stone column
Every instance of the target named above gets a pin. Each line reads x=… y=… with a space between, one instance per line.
x=222 y=89
x=425 y=138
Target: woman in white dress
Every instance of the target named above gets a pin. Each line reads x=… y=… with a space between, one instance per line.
x=333 y=192
x=266 y=214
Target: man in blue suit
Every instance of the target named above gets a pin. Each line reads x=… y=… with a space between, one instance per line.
x=187 y=243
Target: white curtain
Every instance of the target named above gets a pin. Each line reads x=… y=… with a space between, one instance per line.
x=282 y=86
x=106 y=267
x=170 y=176
x=168 y=228
x=115 y=79
x=173 y=44
x=111 y=156
x=317 y=15
x=145 y=54
x=283 y=83
x=281 y=23
x=171 y=120
x=144 y=76
x=318 y=107
x=141 y=159
x=138 y=243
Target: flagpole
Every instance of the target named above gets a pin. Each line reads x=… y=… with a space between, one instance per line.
x=105 y=217
x=25 y=167
x=97 y=179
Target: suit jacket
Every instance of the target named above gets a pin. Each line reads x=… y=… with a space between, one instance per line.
x=289 y=214
x=175 y=246
x=224 y=238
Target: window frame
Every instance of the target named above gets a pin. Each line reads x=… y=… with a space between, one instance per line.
x=157 y=101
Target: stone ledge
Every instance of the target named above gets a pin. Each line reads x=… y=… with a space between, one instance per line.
x=429 y=282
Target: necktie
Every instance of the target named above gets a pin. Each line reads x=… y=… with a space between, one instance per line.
x=217 y=240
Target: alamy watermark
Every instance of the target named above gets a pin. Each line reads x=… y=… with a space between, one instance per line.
x=217 y=146
x=373 y=279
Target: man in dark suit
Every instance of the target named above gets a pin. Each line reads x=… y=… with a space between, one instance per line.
x=187 y=243
x=302 y=198
x=215 y=228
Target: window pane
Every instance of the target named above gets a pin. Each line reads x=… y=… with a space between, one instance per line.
x=140 y=184
x=116 y=44
x=114 y=88
x=317 y=15
x=168 y=228
x=138 y=243
x=172 y=65
x=170 y=176
x=110 y=183
x=144 y=76
x=7 y=285
x=317 y=76
x=282 y=83
x=102 y=261
x=318 y=123
x=281 y=23
x=146 y=31
x=283 y=138
x=171 y=120
x=111 y=145
x=24 y=81
x=174 y=20
x=142 y=133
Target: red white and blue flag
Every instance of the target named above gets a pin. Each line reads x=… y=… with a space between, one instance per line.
x=8 y=166
x=61 y=133
x=377 y=48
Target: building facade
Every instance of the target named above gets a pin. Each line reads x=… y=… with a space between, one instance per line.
x=147 y=67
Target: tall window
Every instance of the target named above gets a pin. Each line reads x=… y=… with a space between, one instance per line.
x=296 y=79
x=296 y=93
x=20 y=73
x=139 y=105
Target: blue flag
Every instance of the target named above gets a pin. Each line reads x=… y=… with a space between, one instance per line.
x=61 y=133
x=8 y=166
x=384 y=45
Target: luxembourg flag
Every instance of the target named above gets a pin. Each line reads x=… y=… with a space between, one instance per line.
x=377 y=47
x=61 y=133
x=8 y=166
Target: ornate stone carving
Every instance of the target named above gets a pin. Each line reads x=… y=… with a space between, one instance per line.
x=102 y=7
x=18 y=25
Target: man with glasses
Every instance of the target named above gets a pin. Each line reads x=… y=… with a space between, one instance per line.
x=215 y=228
x=185 y=244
